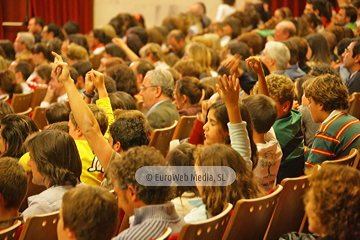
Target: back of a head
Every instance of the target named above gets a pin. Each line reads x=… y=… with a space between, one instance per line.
x=77 y=52
x=154 y=49
x=57 y=112
x=141 y=32
x=253 y=40
x=44 y=49
x=188 y=68
x=143 y=66
x=8 y=83
x=163 y=79
x=82 y=67
x=44 y=71
x=58 y=160
x=279 y=52
x=13 y=183
x=14 y=130
x=319 y=47
x=239 y=48
x=79 y=39
x=129 y=132
x=294 y=52
x=53 y=27
x=302 y=47
x=322 y=68
x=127 y=99
x=80 y=205
x=8 y=48
x=191 y=87
x=329 y=91
x=114 y=50
x=125 y=78
x=330 y=39
x=335 y=197
x=350 y=12
x=200 y=53
x=71 y=27
x=262 y=110
x=123 y=172
x=5 y=109
x=24 y=68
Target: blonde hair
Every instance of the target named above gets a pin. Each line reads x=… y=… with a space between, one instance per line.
x=201 y=54
x=153 y=48
x=77 y=52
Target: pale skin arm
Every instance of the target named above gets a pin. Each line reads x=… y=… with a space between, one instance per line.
x=83 y=115
x=129 y=53
x=255 y=64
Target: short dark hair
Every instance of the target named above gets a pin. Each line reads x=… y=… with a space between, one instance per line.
x=140 y=32
x=144 y=66
x=39 y=20
x=81 y=204
x=82 y=67
x=114 y=50
x=350 y=12
x=53 y=27
x=128 y=100
x=101 y=35
x=44 y=49
x=130 y=132
x=302 y=46
x=57 y=112
x=323 y=68
x=342 y=45
x=125 y=79
x=24 y=68
x=13 y=182
x=71 y=27
x=262 y=110
x=294 y=52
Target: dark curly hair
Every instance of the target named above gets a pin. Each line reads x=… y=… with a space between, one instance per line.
x=335 y=195
x=328 y=90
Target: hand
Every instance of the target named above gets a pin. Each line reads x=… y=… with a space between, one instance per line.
x=97 y=78
x=233 y=65
x=89 y=84
x=255 y=64
x=60 y=70
x=228 y=89
x=295 y=105
x=204 y=109
x=119 y=42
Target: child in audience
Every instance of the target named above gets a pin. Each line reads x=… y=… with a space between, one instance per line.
x=332 y=204
x=183 y=155
x=88 y=212
x=339 y=131
x=55 y=165
x=13 y=186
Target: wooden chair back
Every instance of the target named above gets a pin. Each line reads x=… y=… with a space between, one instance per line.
x=160 y=138
x=347 y=160
x=4 y=99
x=212 y=228
x=184 y=127
x=354 y=108
x=25 y=113
x=356 y=163
x=166 y=234
x=39 y=117
x=10 y=232
x=38 y=97
x=251 y=217
x=21 y=102
x=289 y=211
x=40 y=227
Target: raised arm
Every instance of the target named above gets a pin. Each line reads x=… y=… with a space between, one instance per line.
x=129 y=53
x=83 y=115
x=255 y=64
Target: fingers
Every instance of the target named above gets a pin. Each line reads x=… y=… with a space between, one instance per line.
x=57 y=57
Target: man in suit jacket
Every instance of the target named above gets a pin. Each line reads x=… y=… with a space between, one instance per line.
x=156 y=90
x=352 y=63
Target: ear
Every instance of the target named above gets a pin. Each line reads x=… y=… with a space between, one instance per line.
x=158 y=92
x=272 y=61
x=184 y=98
x=70 y=234
x=132 y=192
x=140 y=79
x=117 y=147
x=317 y=12
x=357 y=58
x=78 y=132
x=287 y=106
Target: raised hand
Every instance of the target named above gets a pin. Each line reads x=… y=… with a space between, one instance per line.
x=97 y=78
x=60 y=69
x=233 y=65
x=89 y=83
x=228 y=89
x=119 y=42
x=255 y=64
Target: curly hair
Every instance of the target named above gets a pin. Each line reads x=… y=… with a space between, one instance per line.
x=335 y=193
x=58 y=160
x=328 y=90
x=188 y=68
x=123 y=172
x=281 y=88
x=244 y=186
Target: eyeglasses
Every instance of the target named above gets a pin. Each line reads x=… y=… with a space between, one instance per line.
x=143 y=88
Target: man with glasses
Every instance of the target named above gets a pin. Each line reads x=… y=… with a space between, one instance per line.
x=156 y=90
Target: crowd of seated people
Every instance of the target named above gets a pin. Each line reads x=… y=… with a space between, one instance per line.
x=269 y=94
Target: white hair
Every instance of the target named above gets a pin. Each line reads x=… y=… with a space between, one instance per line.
x=279 y=52
x=162 y=78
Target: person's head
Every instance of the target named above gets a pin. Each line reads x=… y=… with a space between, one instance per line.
x=76 y=53
x=342 y=45
x=82 y=67
x=56 y=163
x=112 y=50
x=70 y=27
x=43 y=74
x=152 y=52
x=96 y=37
x=41 y=54
x=124 y=77
x=115 y=101
x=322 y=68
x=79 y=39
x=300 y=84
x=8 y=83
x=50 y=31
x=100 y=117
x=302 y=47
x=330 y=39
x=319 y=8
x=140 y=32
x=8 y=48
x=127 y=99
x=14 y=130
x=61 y=126
x=5 y=109
x=88 y=213
x=345 y=15
x=244 y=186
x=253 y=40
x=176 y=41
x=333 y=202
x=201 y=54
x=22 y=70
x=326 y=93
x=140 y=68
x=120 y=113
x=281 y=14
x=128 y=132
x=57 y=112
x=262 y=110
x=13 y=184
x=130 y=193
x=351 y=56
x=284 y=30
x=24 y=41
x=188 y=91
x=282 y=91
x=294 y=52
x=198 y=9
x=275 y=56
x=35 y=25
x=158 y=85
x=188 y=68
x=319 y=48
